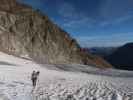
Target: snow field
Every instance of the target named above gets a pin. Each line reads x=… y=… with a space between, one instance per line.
x=15 y=83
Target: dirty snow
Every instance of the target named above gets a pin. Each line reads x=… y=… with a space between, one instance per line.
x=94 y=84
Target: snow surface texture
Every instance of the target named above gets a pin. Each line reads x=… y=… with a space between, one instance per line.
x=15 y=83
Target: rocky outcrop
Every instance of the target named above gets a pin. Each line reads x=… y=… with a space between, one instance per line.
x=25 y=32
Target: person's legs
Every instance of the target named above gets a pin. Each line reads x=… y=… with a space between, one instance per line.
x=34 y=82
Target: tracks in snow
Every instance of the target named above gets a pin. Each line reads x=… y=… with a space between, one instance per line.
x=15 y=91
x=81 y=90
x=67 y=88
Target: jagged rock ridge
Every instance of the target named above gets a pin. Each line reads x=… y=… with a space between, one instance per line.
x=25 y=32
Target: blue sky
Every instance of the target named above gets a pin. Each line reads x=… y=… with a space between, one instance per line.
x=91 y=22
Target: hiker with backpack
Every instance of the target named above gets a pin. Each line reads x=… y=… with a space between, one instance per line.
x=34 y=78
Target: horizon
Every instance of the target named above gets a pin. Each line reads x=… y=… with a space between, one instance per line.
x=93 y=23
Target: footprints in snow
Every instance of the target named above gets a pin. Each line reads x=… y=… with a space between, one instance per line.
x=14 y=90
x=64 y=90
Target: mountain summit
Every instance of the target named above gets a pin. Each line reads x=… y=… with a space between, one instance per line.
x=25 y=32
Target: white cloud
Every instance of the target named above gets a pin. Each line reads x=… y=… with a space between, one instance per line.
x=116 y=21
x=78 y=23
x=105 y=40
x=66 y=10
x=72 y=17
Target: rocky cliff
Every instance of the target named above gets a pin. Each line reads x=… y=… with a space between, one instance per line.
x=26 y=32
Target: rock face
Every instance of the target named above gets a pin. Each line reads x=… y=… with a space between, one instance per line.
x=7 y=4
x=25 y=32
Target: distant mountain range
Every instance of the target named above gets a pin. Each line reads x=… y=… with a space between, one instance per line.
x=102 y=51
